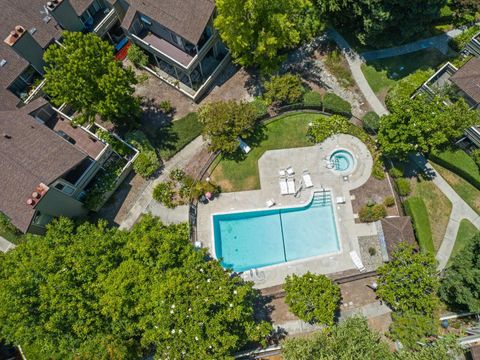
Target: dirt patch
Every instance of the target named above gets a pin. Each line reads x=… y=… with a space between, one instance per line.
x=382 y=95
x=373 y=190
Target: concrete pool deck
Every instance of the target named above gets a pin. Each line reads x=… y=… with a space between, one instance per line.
x=313 y=159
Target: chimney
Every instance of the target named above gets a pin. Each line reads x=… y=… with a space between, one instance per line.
x=23 y=43
x=65 y=15
x=30 y=202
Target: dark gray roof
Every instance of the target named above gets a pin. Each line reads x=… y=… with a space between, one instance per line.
x=29 y=14
x=187 y=18
x=396 y=230
x=467 y=78
x=30 y=154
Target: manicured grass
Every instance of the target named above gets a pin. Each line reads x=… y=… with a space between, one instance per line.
x=459 y=162
x=241 y=173
x=381 y=74
x=377 y=79
x=416 y=209
x=466 y=231
x=438 y=208
x=469 y=193
x=174 y=137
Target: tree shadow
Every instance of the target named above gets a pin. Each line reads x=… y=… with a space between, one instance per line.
x=254 y=140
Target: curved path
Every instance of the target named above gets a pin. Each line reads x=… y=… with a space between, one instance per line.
x=460 y=209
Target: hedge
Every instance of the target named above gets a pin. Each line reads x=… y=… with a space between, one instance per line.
x=334 y=103
x=371 y=122
x=312 y=98
x=416 y=209
x=460 y=163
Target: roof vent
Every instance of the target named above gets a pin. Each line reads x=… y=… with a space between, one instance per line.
x=3 y=62
x=19 y=29
x=6 y=136
x=32 y=31
x=35 y=195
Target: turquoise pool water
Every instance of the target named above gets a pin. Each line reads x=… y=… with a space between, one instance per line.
x=342 y=160
x=261 y=238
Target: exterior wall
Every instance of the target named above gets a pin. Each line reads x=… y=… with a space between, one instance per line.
x=66 y=16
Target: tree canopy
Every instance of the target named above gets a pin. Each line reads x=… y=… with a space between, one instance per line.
x=313 y=298
x=83 y=73
x=461 y=285
x=423 y=125
x=256 y=30
x=224 y=121
x=95 y=293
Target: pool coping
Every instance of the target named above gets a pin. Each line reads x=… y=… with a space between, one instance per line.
x=354 y=167
x=285 y=263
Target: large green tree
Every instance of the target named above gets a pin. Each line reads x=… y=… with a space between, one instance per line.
x=83 y=73
x=465 y=11
x=384 y=22
x=256 y=30
x=423 y=125
x=225 y=121
x=312 y=297
x=89 y=292
x=461 y=285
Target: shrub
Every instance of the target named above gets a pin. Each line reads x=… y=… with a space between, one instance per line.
x=312 y=98
x=460 y=163
x=476 y=156
x=372 y=213
x=405 y=87
x=166 y=106
x=146 y=164
x=410 y=327
x=6 y=225
x=117 y=145
x=177 y=175
x=283 y=89
x=459 y=42
x=372 y=251
x=389 y=201
x=416 y=209
x=395 y=172
x=335 y=104
x=260 y=107
x=371 y=122
x=147 y=161
x=137 y=56
x=403 y=186
x=313 y=298
x=164 y=194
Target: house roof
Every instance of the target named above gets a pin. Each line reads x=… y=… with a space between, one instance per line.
x=475 y=351
x=467 y=78
x=80 y=5
x=30 y=154
x=30 y=15
x=187 y=18
x=396 y=230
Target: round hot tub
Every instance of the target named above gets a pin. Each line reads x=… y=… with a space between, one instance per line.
x=342 y=161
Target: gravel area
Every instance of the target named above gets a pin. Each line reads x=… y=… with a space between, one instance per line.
x=371 y=262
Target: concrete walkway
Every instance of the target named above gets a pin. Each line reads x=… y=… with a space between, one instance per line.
x=460 y=210
x=6 y=245
x=146 y=204
x=355 y=63
x=440 y=42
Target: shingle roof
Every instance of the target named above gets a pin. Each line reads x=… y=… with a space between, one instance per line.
x=80 y=5
x=187 y=18
x=396 y=230
x=30 y=154
x=29 y=14
x=467 y=78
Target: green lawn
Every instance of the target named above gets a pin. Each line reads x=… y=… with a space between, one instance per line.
x=416 y=209
x=286 y=131
x=463 y=188
x=381 y=74
x=175 y=136
x=459 y=162
x=465 y=232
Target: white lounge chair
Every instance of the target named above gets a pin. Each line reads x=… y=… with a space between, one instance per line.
x=340 y=200
x=357 y=261
x=290 y=171
x=291 y=186
x=282 y=173
x=270 y=203
x=244 y=146
x=307 y=180
x=283 y=187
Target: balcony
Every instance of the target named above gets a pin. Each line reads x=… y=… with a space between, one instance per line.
x=104 y=20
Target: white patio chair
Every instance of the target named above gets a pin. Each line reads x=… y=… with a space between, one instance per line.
x=283 y=187
x=291 y=186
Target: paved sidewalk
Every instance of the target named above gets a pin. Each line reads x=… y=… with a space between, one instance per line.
x=355 y=63
x=440 y=42
x=460 y=210
x=6 y=245
x=145 y=202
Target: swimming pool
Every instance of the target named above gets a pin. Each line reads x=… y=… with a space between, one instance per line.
x=261 y=238
x=342 y=160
